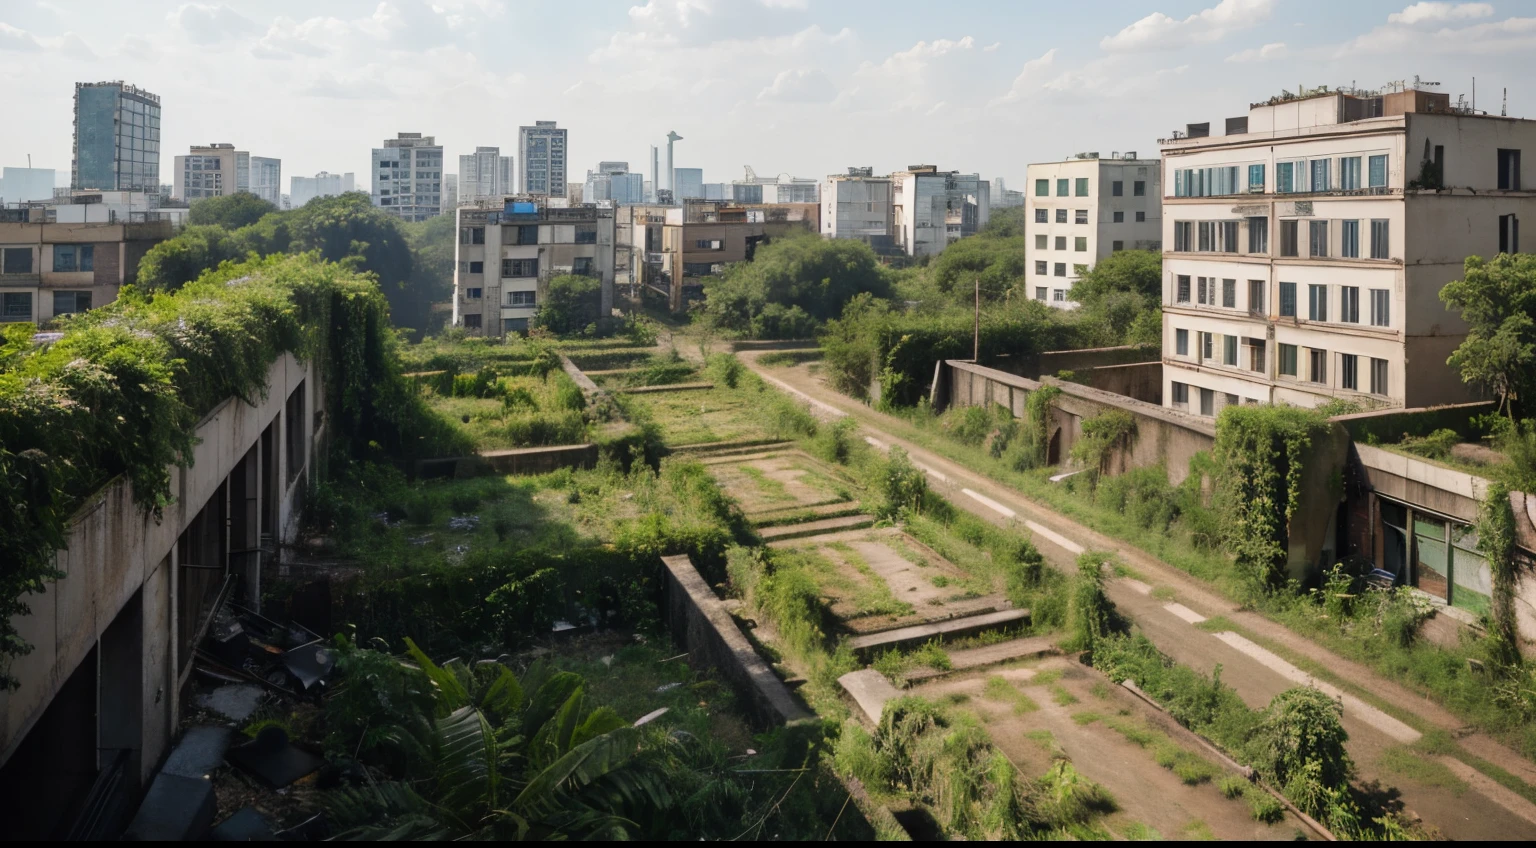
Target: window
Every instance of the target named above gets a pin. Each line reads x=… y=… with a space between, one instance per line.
x=1061 y=216
x=522 y=298
x=474 y=294
x=16 y=306
x=523 y=234
x=1040 y=267
x=1289 y=238
x=1285 y=177
x=1380 y=243
x=1063 y=187
x=1181 y=342
x=1381 y=308
x=1509 y=234
x=1317 y=302
x=71 y=302
x=1376 y=172
x=1139 y=188
x=1256 y=179
x=1255 y=354
x=472 y=235
x=1207 y=402
x=293 y=427
x=519 y=267
x=1180 y=394
x=1348 y=367
x=1256 y=297
x=1202 y=289
x=708 y=244
x=583 y=266
x=1258 y=235
x=1080 y=244
x=1060 y=269
x=1041 y=241
x=1378 y=376
x=1116 y=217
x=477 y=267
x=1287 y=300
x=1229 y=350
x=1207 y=345
x=1059 y=295
x=1182 y=295
x=1042 y=188
x=1079 y=270
x=72 y=257
x=1320 y=174
x=1040 y=290
x=1317 y=239
x=1061 y=242
x=1117 y=188
x=1082 y=186
x=1207 y=236
x=16 y=260
x=1318 y=362
x=1081 y=216
x=1349 y=304
x=1509 y=170
x=1349 y=173
x=1042 y=216
x=1349 y=239
x=1116 y=245
x=1183 y=235
x=1228 y=230
x=1141 y=217
x=587 y=234
x=1288 y=360
x=472 y=321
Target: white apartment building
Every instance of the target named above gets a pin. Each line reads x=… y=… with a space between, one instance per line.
x=302 y=190
x=408 y=176
x=211 y=171
x=1307 y=247
x=931 y=208
x=543 y=150
x=484 y=174
x=857 y=205
x=1081 y=210
x=509 y=250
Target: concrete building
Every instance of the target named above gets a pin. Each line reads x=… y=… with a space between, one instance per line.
x=671 y=249
x=792 y=190
x=933 y=208
x=1305 y=249
x=324 y=184
x=484 y=174
x=267 y=179
x=219 y=169
x=117 y=138
x=1004 y=197
x=613 y=182
x=50 y=268
x=1080 y=210
x=113 y=641
x=508 y=251
x=688 y=184
x=18 y=185
x=543 y=150
x=857 y=205
x=408 y=176
x=450 y=193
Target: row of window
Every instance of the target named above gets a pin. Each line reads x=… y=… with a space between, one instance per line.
x=1326 y=237
x=1060 y=269
x=17 y=306
x=1215 y=348
x=1205 y=292
x=1349 y=376
x=1080 y=216
x=1295 y=176
x=66 y=258
x=1079 y=243
x=524 y=234
x=1058 y=295
x=1116 y=188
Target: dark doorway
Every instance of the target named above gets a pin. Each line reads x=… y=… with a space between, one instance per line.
x=47 y=778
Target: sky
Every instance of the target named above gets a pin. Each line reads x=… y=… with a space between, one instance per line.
x=804 y=87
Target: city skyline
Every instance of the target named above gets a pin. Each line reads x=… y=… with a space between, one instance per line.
x=988 y=89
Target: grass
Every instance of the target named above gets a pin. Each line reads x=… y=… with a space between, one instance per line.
x=1062 y=697
x=1406 y=763
x=895 y=663
x=1164 y=593
x=1086 y=718
x=1197 y=831
x=998 y=689
x=1138 y=832
x=770 y=489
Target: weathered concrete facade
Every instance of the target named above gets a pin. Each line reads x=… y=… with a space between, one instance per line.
x=50 y=269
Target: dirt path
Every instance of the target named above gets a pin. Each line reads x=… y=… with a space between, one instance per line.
x=1461 y=809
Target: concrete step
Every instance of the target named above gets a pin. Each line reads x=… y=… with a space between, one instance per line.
x=971 y=659
x=951 y=628
x=743 y=456
x=673 y=387
x=738 y=446
x=870 y=691
x=854 y=535
x=816 y=528
x=790 y=515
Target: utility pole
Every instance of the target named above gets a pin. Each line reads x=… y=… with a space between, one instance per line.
x=976 y=327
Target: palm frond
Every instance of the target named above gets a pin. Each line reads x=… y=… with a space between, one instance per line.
x=451 y=694
x=551 y=695
x=467 y=779
x=504 y=697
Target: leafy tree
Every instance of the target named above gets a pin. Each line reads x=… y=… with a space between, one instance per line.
x=1497 y=299
x=349 y=225
x=1005 y=223
x=818 y=276
x=230 y=211
x=432 y=250
x=175 y=262
x=1300 y=745
x=997 y=262
x=1139 y=271
x=570 y=304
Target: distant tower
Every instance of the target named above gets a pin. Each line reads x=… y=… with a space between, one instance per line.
x=672 y=138
x=651 y=193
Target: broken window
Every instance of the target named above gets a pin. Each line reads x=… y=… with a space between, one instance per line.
x=1509 y=170
x=1509 y=234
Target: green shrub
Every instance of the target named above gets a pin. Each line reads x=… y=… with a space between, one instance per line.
x=1436 y=445
x=902 y=485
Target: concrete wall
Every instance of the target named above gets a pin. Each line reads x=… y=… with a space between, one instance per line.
x=115 y=550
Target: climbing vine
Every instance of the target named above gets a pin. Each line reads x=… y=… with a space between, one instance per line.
x=1037 y=408
x=1260 y=457
x=120 y=394
x=1496 y=540
x=1102 y=433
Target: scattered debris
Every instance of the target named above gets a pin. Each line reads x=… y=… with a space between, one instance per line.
x=272 y=759
x=200 y=751
x=236 y=701
x=420 y=541
x=667 y=687
x=242 y=646
x=651 y=716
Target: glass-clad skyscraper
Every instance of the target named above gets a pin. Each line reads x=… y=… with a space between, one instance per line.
x=117 y=138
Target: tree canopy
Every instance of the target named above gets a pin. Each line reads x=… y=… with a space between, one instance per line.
x=1138 y=271
x=792 y=285
x=571 y=303
x=1497 y=299
x=231 y=211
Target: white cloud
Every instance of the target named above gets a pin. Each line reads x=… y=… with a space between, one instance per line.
x=786 y=4
x=210 y=24
x=1494 y=37
x=12 y=38
x=1158 y=31
x=799 y=86
x=1031 y=79
x=1260 y=54
x=1420 y=13
x=992 y=47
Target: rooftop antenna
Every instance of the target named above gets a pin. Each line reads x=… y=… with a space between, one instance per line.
x=1503 y=111
x=1474 y=94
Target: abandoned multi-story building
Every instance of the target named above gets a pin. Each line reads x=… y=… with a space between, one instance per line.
x=49 y=269
x=1081 y=210
x=1305 y=249
x=509 y=250
x=857 y=205
x=932 y=208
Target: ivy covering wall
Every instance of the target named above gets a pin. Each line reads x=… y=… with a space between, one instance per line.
x=121 y=392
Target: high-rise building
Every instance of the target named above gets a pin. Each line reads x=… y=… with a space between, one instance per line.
x=450 y=192
x=612 y=181
x=857 y=205
x=1305 y=248
x=484 y=173
x=1083 y=209
x=690 y=184
x=408 y=176
x=543 y=151
x=267 y=179
x=304 y=189
x=211 y=170
x=932 y=208
x=117 y=138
